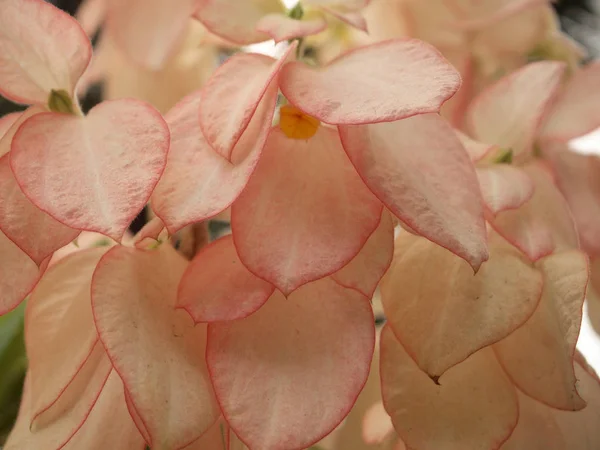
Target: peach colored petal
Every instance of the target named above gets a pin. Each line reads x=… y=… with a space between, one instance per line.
x=364 y=272
x=593 y=306
x=529 y=28
x=156 y=350
x=537 y=428
x=477 y=150
x=387 y=81
x=70 y=412
x=242 y=83
x=578 y=178
x=137 y=420
x=543 y=224
x=508 y=113
x=474 y=406
x=234 y=442
x=86 y=384
x=216 y=286
x=148 y=31
x=347 y=4
x=90 y=15
x=478 y=14
x=349 y=17
x=432 y=21
x=377 y=425
x=198 y=183
x=538 y=356
x=149 y=234
x=109 y=425
x=59 y=327
x=237 y=21
x=421 y=172
x=576 y=110
x=306 y=358
x=595 y=274
x=18 y=274
x=504 y=187
x=84 y=241
x=282 y=28
x=92 y=173
x=305 y=212
x=580 y=430
x=6 y=122
x=10 y=123
x=35 y=232
x=443 y=322
x=43 y=48
x=454 y=109
x=214 y=439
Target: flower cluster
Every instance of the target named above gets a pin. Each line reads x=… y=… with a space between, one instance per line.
x=410 y=152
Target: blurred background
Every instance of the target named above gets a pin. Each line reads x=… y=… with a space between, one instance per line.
x=579 y=18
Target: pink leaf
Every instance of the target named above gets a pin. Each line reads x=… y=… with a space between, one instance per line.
x=6 y=122
x=156 y=350
x=509 y=112
x=198 y=183
x=530 y=27
x=387 y=81
x=352 y=18
x=476 y=150
x=72 y=404
x=282 y=28
x=306 y=358
x=306 y=207
x=485 y=13
x=576 y=111
x=43 y=48
x=214 y=439
x=538 y=356
x=242 y=83
x=377 y=425
x=504 y=187
x=92 y=173
x=216 y=285
x=578 y=178
x=70 y=411
x=543 y=224
x=364 y=272
x=137 y=420
x=580 y=429
x=35 y=232
x=237 y=21
x=149 y=30
x=10 y=123
x=18 y=274
x=60 y=334
x=537 y=428
x=109 y=425
x=424 y=315
x=90 y=15
x=421 y=172
x=473 y=407
x=150 y=233
x=350 y=5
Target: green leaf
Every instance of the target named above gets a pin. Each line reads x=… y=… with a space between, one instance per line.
x=60 y=101
x=297 y=12
x=13 y=362
x=505 y=157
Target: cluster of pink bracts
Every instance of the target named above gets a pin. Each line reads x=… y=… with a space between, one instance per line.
x=265 y=339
